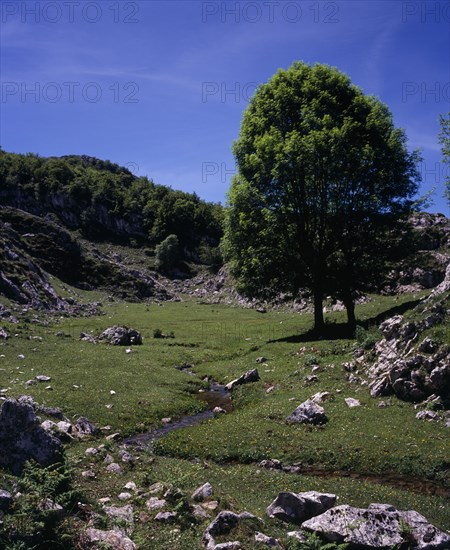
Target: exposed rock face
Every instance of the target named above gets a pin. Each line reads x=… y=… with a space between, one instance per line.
x=121 y=336
x=380 y=526
x=405 y=365
x=22 y=438
x=298 y=507
x=248 y=377
x=224 y=522
x=308 y=412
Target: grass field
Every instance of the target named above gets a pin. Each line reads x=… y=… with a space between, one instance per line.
x=223 y=342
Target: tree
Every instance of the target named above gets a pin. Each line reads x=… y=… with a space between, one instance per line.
x=167 y=253
x=322 y=174
x=444 y=140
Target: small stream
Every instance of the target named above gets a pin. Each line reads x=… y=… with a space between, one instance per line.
x=215 y=396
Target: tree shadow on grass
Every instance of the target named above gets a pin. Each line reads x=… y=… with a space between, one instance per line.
x=341 y=331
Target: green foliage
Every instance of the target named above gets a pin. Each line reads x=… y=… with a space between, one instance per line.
x=107 y=201
x=444 y=140
x=167 y=254
x=323 y=175
x=367 y=338
x=314 y=542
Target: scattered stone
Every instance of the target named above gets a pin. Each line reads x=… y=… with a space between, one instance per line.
x=298 y=507
x=121 y=336
x=49 y=506
x=84 y=427
x=127 y=457
x=22 y=438
x=108 y=459
x=43 y=378
x=199 y=512
x=114 y=468
x=380 y=526
x=311 y=378
x=112 y=437
x=203 y=493
x=88 y=473
x=156 y=488
x=271 y=542
x=87 y=338
x=131 y=486
x=166 y=420
x=261 y=360
x=352 y=403
x=114 y=539
x=210 y=505
x=123 y=513
x=3 y=334
x=124 y=496
x=154 y=503
x=21 y=356
x=321 y=396
x=165 y=517
x=48 y=388
x=64 y=426
x=30 y=382
x=308 y=413
x=219 y=410
x=5 y=499
x=427 y=415
x=246 y=378
x=223 y=523
x=104 y=500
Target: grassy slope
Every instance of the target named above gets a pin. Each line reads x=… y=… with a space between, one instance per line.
x=223 y=342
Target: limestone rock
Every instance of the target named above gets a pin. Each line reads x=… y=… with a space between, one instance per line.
x=308 y=413
x=85 y=427
x=114 y=539
x=121 y=336
x=271 y=542
x=380 y=526
x=351 y=402
x=22 y=438
x=246 y=378
x=166 y=517
x=222 y=524
x=154 y=503
x=203 y=492
x=298 y=507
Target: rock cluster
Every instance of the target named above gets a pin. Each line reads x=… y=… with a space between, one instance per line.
x=406 y=366
x=308 y=412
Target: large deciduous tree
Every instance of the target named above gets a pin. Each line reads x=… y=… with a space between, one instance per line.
x=322 y=175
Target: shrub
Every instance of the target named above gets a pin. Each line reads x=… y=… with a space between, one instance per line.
x=167 y=253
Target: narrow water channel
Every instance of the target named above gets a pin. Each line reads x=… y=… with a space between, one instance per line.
x=215 y=396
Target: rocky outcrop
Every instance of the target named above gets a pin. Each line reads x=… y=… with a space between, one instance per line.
x=308 y=412
x=22 y=438
x=299 y=507
x=379 y=526
x=246 y=378
x=408 y=365
x=121 y=336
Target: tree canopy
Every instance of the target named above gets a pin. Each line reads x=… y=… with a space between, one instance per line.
x=444 y=140
x=323 y=174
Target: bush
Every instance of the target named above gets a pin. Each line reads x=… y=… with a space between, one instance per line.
x=167 y=253
x=367 y=338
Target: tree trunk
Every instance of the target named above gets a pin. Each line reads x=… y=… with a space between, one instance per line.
x=349 y=304
x=318 y=311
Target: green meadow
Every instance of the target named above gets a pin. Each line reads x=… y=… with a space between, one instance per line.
x=364 y=455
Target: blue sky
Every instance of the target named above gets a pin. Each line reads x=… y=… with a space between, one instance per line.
x=160 y=86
